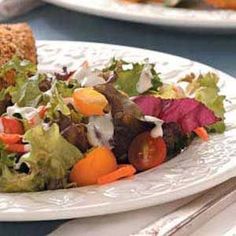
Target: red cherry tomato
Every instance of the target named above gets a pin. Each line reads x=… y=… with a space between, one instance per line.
x=146 y=152
x=11 y=125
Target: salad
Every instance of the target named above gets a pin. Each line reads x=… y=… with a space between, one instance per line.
x=226 y=4
x=95 y=126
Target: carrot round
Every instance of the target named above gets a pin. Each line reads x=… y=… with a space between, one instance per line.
x=10 y=138
x=18 y=148
x=89 y=102
x=202 y=133
x=96 y=163
x=122 y=172
x=11 y=125
x=42 y=111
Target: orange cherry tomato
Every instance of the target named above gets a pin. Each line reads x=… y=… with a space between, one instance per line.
x=89 y=102
x=96 y=163
x=146 y=152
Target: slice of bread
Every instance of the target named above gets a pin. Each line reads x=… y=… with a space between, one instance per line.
x=227 y=4
x=17 y=39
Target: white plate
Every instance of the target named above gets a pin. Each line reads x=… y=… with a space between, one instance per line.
x=201 y=166
x=153 y=13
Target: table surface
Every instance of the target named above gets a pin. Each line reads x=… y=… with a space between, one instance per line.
x=53 y=23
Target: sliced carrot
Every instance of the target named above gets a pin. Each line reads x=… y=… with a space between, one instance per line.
x=42 y=111
x=18 y=148
x=11 y=125
x=122 y=172
x=98 y=162
x=37 y=117
x=202 y=133
x=10 y=138
x=32 y=121
x=89 y=102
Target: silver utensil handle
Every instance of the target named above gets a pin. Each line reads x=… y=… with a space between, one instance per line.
x=188 y=217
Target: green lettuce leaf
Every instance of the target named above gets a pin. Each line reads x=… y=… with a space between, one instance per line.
x=26 y=92
x=170 y=91
x=49 y=149
x=56 y=104
x=205 y=90
x=127 y=79
x=6 y=158
x=50 y=159
x=23 y=69
x=3 y=94
x=13 y=181
x=66 y=89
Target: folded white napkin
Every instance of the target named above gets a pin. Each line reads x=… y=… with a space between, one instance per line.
x=11 y=8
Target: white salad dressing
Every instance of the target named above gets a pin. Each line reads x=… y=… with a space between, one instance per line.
x=49 y=92
x=145 y=80
x=68 y=100
x=100 y=130
x=127 y=67
x=157 y=131
x=88 y=77
x=26 y=112
x=46 y=126
x=1 y=127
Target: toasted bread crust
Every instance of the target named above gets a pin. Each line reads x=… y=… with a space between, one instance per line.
x=17 y=39
x=227 y=4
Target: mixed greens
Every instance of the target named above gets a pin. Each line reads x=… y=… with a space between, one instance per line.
x=96 y=126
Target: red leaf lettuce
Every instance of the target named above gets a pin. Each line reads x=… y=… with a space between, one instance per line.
x=187 y=112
